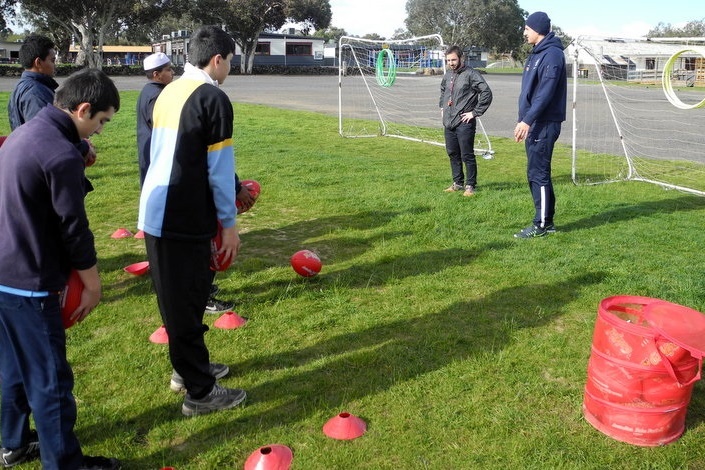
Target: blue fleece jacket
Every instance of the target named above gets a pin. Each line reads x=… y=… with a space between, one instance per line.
x=43 y=224
x=544 y=85
x=33 y=92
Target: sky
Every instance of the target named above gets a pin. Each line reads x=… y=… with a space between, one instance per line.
x=614 y=18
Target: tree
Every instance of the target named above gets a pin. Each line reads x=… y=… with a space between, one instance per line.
x=330 y=34
x=692 y=29
x=92 y=20
x=494 y=24
x=245 y=20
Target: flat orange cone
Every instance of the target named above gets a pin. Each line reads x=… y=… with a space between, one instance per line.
x=229 y=321
x=137 y=269
x=121 y=233
x=272 y=457
x=344 y=426
x=139 y=234
x=159 y=336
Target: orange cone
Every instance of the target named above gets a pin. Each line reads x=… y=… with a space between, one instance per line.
x=229 y=321
x=121 y=233
x=272 y=457
x=159 y=336
x=344 y=426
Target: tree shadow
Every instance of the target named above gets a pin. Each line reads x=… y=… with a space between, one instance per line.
x=624 y=212
x=373 y=360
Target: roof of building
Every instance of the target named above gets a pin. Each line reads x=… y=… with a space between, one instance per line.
x=117 y=49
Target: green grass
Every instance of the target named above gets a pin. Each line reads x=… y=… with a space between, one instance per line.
x=461 y=347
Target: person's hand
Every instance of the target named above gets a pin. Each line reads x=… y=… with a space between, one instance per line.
x=90 y=157
x=520 y=131
x=231 y=243
x=467 y=117
x=90 y=296
x=245 y=198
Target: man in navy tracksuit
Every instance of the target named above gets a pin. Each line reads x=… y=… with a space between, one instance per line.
x=542 y=110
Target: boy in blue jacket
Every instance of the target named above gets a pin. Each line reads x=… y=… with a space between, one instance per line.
x=44 y=234
x=542 y=110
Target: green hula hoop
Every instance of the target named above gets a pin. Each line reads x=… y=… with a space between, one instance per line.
x=391 y=75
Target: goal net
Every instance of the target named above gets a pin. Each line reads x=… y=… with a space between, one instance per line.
x=392 y=88
x=637 y=112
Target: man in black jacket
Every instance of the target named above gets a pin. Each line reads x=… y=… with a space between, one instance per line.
x=465 y=96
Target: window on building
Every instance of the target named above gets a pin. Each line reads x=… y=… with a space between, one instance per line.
x=298 y=48
x=263 y=48
x=689 y=63
x=650 y=63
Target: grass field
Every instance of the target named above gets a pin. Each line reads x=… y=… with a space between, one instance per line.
x=461 y=347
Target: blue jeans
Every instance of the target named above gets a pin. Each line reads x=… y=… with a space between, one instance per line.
x=460 y=146
x=37 y=378
x=539 y=144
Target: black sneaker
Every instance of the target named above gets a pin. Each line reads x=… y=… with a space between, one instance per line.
x=532 y=231
x=214 y=290
x=11 y=457
x=218 y=306
x=220 y=398
x=217 y=370
x=99 y=463
x=550 y=228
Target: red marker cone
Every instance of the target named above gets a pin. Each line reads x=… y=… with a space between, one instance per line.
x=121 y=233
x=344 y=426
x=229 y=321
x=272 y=457
x=137 y=269
x=159 y=336
x=139 y=234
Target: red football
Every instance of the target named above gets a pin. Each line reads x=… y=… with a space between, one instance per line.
x=218 y=261
x=254 y=188
x=70 y=298
x=306 y=263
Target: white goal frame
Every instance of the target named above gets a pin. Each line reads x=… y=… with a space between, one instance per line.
x=654 y=137
x=374 y=93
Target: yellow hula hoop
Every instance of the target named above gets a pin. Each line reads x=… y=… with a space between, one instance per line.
x=668 y=86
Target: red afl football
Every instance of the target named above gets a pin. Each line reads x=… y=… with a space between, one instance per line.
x=254 y=188
x=70 y=298
x=306 y=263
x=218 y=261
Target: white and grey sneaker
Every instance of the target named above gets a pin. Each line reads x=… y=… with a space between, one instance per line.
x=220 y=398
x=218 y=306
x=217 y=370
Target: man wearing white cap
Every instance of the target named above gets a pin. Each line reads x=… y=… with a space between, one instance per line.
x=160 y=73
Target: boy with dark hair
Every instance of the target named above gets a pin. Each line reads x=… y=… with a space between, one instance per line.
x=44 y=234
x=189 y=189
x=160 y=73
x=36 y=86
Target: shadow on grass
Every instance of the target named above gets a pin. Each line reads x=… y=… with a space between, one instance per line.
x=373 y=360
x=626 y=212
x=375 y=274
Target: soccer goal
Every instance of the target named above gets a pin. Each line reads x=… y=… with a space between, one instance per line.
x=392 y=88
x=638 y=112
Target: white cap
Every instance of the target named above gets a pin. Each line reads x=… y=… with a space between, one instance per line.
x=155 y=60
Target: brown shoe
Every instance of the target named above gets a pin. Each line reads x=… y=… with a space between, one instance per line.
x=469 y=191
x=453 y=187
